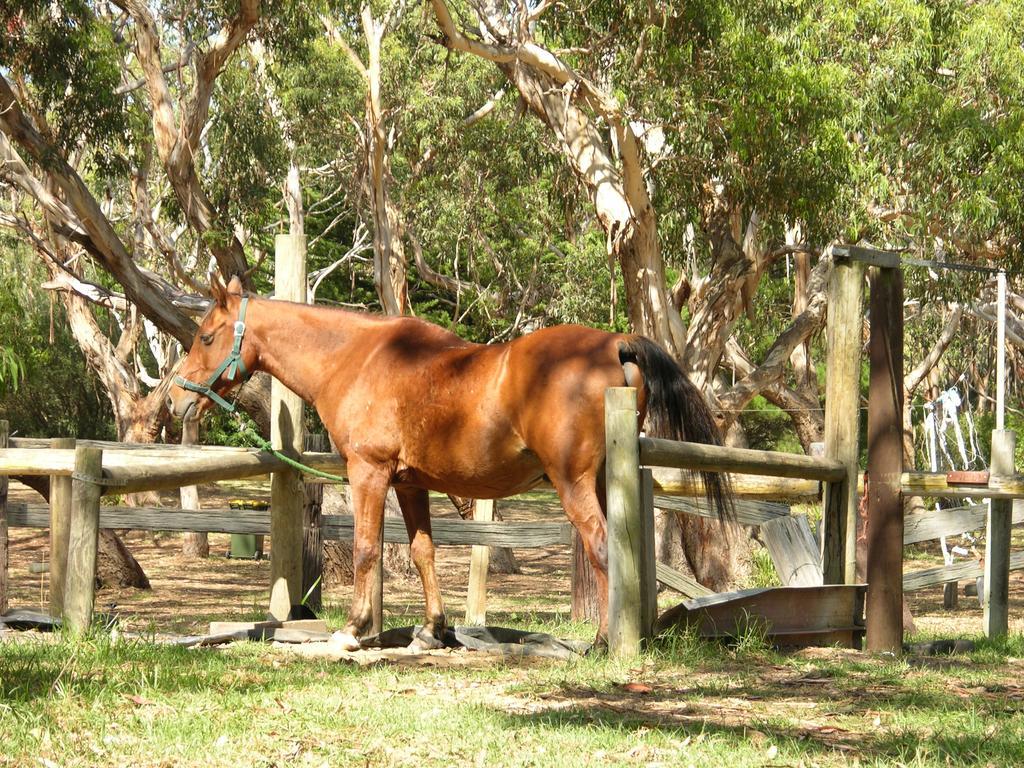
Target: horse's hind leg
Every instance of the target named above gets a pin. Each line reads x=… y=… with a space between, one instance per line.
x=415 y=504
x=582 y=504
x=369 y=490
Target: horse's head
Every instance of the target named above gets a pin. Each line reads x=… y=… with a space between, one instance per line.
x=219 y=359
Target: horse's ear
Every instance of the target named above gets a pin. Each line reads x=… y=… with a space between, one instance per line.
x=218 y=290
x=235 y=286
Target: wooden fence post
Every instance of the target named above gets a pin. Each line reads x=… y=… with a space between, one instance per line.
x=286 y=491
x=5 y=429
x=997 y=540
x=476 y=596
x=312 y=534
x=625 y=522
x=842 y=420
x=80 y=590
x=884 y=609
x=60 y=530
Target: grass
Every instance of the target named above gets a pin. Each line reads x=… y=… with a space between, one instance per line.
x=103 y=701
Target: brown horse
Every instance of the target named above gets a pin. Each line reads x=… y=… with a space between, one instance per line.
x=412 y=406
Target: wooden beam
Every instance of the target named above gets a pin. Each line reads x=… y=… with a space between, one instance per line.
x=446 y=532
x=873 y=257
x=60 y=530
x=793 y=550
x=842 y=420
x=720 y=458
x=885 y=464
x=997 y=541
x=680 y=582
x=476 y=597
x=625 y=551
x=969 y=570
x=747 y=512
x=80 y=588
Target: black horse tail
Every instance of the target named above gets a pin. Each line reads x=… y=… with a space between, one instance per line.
x=676 y=410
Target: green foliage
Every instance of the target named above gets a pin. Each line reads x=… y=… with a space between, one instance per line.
x=57 y=396
x=70 y=61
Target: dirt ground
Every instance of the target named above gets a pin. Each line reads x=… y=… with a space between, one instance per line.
x=188 y=593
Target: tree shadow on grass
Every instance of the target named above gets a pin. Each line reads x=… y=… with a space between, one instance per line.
x=786 y=718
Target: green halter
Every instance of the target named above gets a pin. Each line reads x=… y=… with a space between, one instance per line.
x=232 y=364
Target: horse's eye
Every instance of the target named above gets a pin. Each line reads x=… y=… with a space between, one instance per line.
x=207 y=339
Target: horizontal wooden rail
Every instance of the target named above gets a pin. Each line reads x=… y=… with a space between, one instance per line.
x=747 y=512
x=133 y=466
x=969 y=569
x=925 y=526
x=718 y=458
x=447 y=532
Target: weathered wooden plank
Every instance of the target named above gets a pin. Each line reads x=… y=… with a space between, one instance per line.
x=925 y=526
x=680 y=582
x=793 y=550
x=670 y=482
x=625 y=525
x=83 y=540
x=447 y=532
x=968 y=570
x=720 y=458
x=747 y=512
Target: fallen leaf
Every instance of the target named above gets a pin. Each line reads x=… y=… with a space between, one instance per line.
x=636 y=688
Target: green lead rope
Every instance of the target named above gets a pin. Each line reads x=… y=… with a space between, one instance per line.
x=264 y=445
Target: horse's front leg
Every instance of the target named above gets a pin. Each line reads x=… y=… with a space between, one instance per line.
x=415 y=504
x=369 y=490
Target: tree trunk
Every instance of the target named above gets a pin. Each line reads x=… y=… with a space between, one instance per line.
x=193 y=544
x=116 y=566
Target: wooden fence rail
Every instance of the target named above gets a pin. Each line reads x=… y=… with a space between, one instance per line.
x=447 y=532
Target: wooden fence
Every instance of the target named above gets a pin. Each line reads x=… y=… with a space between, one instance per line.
x=92 y=468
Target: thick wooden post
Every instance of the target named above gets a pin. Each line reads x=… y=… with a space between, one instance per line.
x=60 y=530
x=884 y=610
x=286 y=491
x=997 y=540
x=625 y=522
x=83 y=540
x=842 y=420
x=193 y=543
x=5 y=430
x=476 y=597
x=648 y=557
x=312 y=534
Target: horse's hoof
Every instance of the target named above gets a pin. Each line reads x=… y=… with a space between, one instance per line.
x=343 y=641
x=423 y=641
x=598 y=648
